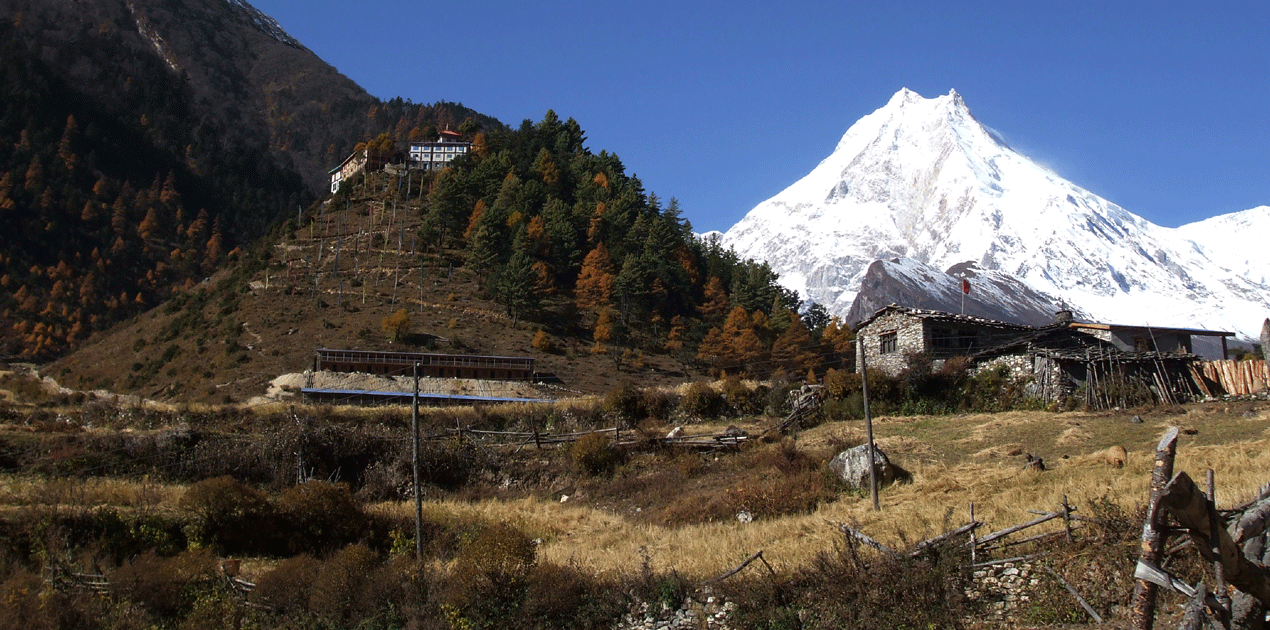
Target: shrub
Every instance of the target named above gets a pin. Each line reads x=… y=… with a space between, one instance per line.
x=623 y=402
x=491 y=574
x=319 y=516
x=396 y=326
x=840 y=383
x=656 y=404
x=228 y=516
x=701 y=401
x=167 y=587
x=338 y=589
x=542 y=342
x=595 y=454
x=568 y=597
x=743 y=400
x=288 y=587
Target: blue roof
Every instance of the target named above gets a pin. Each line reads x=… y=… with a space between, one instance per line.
x=362 y=392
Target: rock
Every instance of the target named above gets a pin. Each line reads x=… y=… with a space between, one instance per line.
x=1136 y=419
x=675 y=432
x=852 y=466
x=745 y=517
x=735 y=431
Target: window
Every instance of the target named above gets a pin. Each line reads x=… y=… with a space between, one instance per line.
x=887 y=342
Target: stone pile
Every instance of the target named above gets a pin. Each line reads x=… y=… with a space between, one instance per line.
x=692 y=615
x=1002 y=588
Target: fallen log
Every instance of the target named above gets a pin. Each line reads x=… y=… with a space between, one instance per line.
x=733 y=571
x=1184 y=501
x=864 y=538
x=1020 y=527
x=926 y=545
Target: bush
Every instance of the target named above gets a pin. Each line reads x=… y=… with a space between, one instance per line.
x=396 y=326
x=491 y=574
x=288 y=587
x=319 y=516
x=701 y=401
x=655 y=404
x=595 y=454
x=743 y=400
x=542 y=342
x=228 y=517
x=166 y=587
x=623 y=402
x=338 y=589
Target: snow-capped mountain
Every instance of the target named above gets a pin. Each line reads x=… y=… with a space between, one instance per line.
x=922 y=179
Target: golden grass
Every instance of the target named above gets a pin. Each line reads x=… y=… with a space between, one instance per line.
x=31 y=491
x=954 y=461
x=944 y=484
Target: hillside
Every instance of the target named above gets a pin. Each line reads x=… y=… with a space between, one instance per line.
x=144 y=141
x=531 y=230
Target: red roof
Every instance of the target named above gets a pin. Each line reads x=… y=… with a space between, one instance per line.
x=455 y=134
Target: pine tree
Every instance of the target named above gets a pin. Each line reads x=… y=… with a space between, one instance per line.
x=514 y=287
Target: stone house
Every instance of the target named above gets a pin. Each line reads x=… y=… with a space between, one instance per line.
x=892 y=334
x=1106 y=362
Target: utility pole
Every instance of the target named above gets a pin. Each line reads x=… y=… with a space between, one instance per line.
x=868 y=421
x=414 y=428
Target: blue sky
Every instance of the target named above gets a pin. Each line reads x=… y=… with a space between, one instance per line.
x=1162 y=107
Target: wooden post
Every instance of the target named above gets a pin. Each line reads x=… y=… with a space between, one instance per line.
x=1152 y=530
x=1214 y=544
x=414 y=428
x=974 y=546
x=868 y=422
x=1067 y=518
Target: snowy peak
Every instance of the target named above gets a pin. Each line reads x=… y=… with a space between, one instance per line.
x=923 y=179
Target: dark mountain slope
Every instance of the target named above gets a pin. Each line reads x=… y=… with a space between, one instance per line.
x=142 y=141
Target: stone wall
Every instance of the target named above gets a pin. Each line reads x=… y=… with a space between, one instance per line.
x=712 y=614
x=910 y=338
x=1002 y=588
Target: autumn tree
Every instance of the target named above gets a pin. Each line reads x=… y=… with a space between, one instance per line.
x=594 y=289
x=714 y=304
x=396 y=326
x=794 y=349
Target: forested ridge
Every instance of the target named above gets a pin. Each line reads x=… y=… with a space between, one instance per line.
x=127 y=174
x=557 y=232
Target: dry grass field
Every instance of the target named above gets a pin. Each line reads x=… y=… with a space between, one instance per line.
x=612 y=524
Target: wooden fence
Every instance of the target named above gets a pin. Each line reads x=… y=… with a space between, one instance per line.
x=1238 y=377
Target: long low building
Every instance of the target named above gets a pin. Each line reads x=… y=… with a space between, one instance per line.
x=430 y=365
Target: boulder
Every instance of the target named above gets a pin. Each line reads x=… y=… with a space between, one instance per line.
x=852 y=466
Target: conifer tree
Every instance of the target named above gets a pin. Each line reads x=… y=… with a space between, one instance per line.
x=594 y=288
x=794 y=349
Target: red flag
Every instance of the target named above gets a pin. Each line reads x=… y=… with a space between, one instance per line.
x=965 y=286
